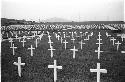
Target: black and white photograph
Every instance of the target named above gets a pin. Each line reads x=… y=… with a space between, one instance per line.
x=62 y=41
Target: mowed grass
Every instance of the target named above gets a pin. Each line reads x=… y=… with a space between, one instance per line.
x=74 y=70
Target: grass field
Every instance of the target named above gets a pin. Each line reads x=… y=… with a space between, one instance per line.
x=73 y=70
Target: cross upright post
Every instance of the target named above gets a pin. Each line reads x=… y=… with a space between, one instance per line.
x=49 y=37
x=74 y=51
x=81 y=34
x=13 y=49
x=19 y=65
x=64 y=35
x=58 y=36
x=55 y=67
x=36 y=42
x=99 y=51
x=31 y=48
x=98 y=70
x=72 y=34
x=61 y=39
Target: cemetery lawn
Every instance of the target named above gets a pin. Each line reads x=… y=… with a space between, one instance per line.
x=73 y=70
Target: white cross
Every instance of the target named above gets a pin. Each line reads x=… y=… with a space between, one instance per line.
x=72 y=34
x=19 y=65
x=61 y=39
x=11 y=41
x=13 y=49
x=107 y=34
x=31 y=50
x=49 y=37
x=55 y=67
x=58 y=36
x=64 y=35
x=19 y=38
x=73 y=39
x=113 y=39
x=40 y=36
x=118 y=43
x=51 y=49
x=50 y=43
x=65 y=43
x=81 y=42
x=98 y=70
x=16 y=36
x=74 y=50
x=98 y=52
x=23 y=42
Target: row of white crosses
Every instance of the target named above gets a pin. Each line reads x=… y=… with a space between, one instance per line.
x=113 y=40
x=89 y=36
x=98 y=70
x=50 y=44
x=19 y=58
x=122 y=36
x=99 y=46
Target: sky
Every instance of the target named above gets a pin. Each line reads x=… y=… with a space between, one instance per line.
x=75 y=10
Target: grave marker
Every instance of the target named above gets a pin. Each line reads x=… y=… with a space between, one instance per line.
x=81 y=42
x=19 y=65
x=31 y=48
x=65 y=43
x=98 y=70
x=23 y=42
x=118 y=43
x=113 y=40
x=55 y=67
x=13 y=49
x=74 y=51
